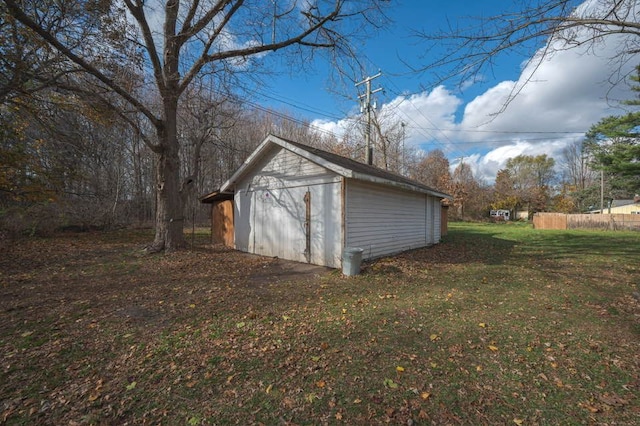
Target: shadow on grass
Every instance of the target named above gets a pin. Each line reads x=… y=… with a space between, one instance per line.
x=462 y=245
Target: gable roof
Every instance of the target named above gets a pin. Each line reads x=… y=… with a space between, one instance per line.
x=342 y=166
x=216 y=196
x=622 y=203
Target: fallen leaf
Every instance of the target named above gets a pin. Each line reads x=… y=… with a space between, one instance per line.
x=320 y=384
x=425 y=395
x=612 y=400
x=399 y=369
x=338 y=415
x=131 y=385
x=389 y=383
x=288 y=403
x=517 y=421
x=493 y=348
x=482 y=324
x=434 y=337
x=357 y=401
x=240 y=325
x=591 y=408
x=268 y=389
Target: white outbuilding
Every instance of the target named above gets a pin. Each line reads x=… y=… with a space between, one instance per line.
x=300 y=203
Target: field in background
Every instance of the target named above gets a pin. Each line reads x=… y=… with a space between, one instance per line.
x=499 y=324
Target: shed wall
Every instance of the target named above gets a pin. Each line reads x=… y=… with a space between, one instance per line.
x=271 y=213
x=222 y=223
x=383 y=220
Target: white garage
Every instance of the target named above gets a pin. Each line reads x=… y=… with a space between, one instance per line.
x=304 y=204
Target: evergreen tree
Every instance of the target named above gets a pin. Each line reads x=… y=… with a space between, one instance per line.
x=614 y=145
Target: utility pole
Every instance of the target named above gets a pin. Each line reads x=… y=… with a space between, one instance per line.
x=366 y=107
x=601 y=191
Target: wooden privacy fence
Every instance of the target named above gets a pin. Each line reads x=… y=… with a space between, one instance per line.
x=610 y=222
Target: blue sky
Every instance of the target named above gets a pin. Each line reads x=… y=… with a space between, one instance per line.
x=569 y=93
x=389 y=51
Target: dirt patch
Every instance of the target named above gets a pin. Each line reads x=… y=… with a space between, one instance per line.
x=278 y=270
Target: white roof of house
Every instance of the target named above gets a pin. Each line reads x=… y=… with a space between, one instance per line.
x=342 y=166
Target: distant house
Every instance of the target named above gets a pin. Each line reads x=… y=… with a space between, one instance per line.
x=624 y=206
x=304 y=204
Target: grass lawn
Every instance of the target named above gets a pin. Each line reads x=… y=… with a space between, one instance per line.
x=499 y=324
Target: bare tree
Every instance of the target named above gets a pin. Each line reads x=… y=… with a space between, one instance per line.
x=433 y=171
x=390 y=134
x=545 y=26
x=198 y=38
x=577 y=167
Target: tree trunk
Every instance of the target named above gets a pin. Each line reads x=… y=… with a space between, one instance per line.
x=169 y=203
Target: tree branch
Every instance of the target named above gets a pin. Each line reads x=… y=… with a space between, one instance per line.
x=206 y=58
x=137 y=10
x=18 y=14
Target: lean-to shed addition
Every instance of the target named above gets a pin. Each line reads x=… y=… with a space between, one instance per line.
x=304 y=204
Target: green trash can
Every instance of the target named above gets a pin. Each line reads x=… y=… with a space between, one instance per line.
x=351 y=260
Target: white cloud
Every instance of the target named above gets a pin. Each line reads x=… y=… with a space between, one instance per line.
x=567 y=94
x=428 y=115
x=337 y=128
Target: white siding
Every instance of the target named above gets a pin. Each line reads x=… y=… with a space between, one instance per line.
x=326 y=224
x=429 y=219
x=383 y=220
x=271 y=211
x=434 y=219
x=284 y=169
x=437 y=220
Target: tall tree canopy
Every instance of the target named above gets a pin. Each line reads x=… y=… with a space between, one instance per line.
x=531 y=177
x=614 y=143
x=433 y=171
x=614 y=146
x=174 y=43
